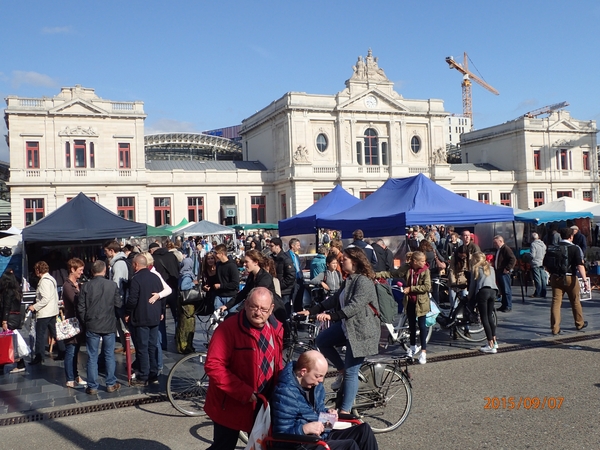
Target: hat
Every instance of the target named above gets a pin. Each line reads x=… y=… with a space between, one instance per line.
x=574 y=227
x=153 y=245
x=277 y=241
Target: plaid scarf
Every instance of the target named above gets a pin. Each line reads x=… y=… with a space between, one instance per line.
x=266 y=358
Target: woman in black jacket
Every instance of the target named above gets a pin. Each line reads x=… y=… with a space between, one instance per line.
x=10 y=308
x=258 y=276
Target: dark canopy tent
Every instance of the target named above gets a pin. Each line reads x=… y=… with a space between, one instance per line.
x=81 y=219
x=336 y=201
x=414 y=201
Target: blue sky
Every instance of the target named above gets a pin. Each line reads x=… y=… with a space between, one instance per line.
x=199 y=65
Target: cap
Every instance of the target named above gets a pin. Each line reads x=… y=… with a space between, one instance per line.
x=574 y=227
x=153 y=245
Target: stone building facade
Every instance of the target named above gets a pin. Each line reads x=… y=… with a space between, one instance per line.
x=294 y=151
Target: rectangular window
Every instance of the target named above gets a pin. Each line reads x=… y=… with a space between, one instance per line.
x=259 y=209
x=359 y=156
x=283 y=206
x=126 y=207
x=68 y=155
x=562 y=163
x=124 y=159
x=226 y=219
x=586 y=160
x=92 y=156
x=462 y=194
x=80 y=156
x=34 y=210
x=162 y=211
x=318 y=196
x=371 y=151
x=536 y=160
x=195 y=208
x=483 y=197
x=538 y=198
x=587 y=196
x=33 y=155
x=384 y=153
x=560 y=194
x=505 y=198
x=365 y=194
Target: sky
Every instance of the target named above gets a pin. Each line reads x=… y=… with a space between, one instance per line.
x=200 y=65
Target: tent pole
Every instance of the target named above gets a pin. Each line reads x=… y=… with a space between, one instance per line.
x=517 y=248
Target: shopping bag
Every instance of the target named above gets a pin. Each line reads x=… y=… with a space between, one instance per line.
x=30 y=327
x=67 y=328
x=7 y=349
x=260 y=430
x=432 y=314
x=20 y=346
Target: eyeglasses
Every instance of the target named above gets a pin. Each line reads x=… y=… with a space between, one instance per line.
x=258 y=309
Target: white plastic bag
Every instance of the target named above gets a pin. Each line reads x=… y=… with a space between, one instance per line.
x=260 y=430
x=432 y=314
x=21 y=347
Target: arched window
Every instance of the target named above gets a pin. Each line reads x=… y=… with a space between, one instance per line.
x=371 y=147
x=415 y=144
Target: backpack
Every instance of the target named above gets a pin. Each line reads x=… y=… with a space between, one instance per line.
x=130 y=272
x=556 y=260
x=387 y=304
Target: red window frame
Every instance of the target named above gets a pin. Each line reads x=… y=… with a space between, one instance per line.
x=68 y=155
x=586 y=160
x=538 y=198
x=80 y=154
x=283 y=198
x=33 y=154
x=195 y=209
x=505 y=198
x=318 y=196
x=560 y=194
x=587 y=196
x=483 y=197
x=162 y=211
x=259 y=208
x=124 y=155
x=126 y=208
x=34 y=210
x=371 y=140
x=562 y=162
x=365 y=194
x=537 y=160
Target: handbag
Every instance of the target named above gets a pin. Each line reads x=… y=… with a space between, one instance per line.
x=7 y=349
x=16 y=319
x=191 y=296
x=261 y=427
x=67 y=328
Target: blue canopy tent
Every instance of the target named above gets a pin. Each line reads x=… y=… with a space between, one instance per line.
x=413 y=200
x=306 y=222
x=541 y=217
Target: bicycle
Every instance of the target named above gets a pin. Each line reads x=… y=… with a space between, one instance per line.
x=400 y=334
x=384 y=395
x=294 y=345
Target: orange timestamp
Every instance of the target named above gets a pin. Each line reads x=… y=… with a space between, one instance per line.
x=523 y=402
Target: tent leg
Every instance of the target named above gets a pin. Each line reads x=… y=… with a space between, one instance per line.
x=520 y=272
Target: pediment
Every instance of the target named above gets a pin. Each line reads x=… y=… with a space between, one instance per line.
x=78 y=107
x=563 y=125
x=364 y=102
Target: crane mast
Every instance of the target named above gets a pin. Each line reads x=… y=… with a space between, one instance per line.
x=466 y=84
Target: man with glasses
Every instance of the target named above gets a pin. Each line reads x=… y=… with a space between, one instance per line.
x=244 y=355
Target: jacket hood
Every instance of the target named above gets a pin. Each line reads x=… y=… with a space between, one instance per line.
x=115 y=258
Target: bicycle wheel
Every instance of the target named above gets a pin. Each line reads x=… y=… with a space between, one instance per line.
x=384 y=403
x=404 y=334
x=476 y=332
x=187 y=384
x=293 y=351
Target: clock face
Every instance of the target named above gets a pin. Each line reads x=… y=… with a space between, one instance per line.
x=371 y=101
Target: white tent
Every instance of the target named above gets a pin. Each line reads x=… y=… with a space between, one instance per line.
x=567 y=204
x=204 y=228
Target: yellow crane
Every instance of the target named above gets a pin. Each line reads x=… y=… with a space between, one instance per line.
x=466 y=84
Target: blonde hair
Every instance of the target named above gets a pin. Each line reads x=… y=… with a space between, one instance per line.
x=418 y=255
x=149 y=258
x=478 y=260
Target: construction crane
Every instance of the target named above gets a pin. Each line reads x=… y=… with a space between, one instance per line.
x=466 y=84
x=546 y=110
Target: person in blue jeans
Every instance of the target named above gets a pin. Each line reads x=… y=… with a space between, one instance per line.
x=354 y=323
x=99 y=299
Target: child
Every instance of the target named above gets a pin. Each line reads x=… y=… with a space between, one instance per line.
x=331 y=279
x=416 y=303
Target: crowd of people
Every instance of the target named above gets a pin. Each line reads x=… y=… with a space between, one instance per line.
x=258 y=287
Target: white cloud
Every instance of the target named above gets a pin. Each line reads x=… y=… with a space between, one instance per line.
x=170 y=126
x=56 y=30
x=20 y=78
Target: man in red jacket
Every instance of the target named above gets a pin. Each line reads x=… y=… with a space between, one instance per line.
x=244 y=356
